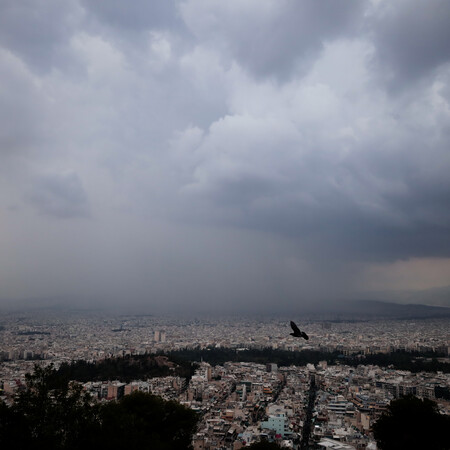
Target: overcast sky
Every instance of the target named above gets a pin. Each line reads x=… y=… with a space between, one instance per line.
x=224 y=155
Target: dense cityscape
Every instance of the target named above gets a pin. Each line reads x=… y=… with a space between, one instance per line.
x=331 y=404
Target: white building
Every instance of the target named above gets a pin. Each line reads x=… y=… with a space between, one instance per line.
x=277 y=423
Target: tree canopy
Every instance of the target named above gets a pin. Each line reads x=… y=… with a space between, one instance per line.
x=146 y=421
x=412 y=423
x=53 y=413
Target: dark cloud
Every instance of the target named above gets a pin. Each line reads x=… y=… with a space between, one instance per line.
x=38 y=31
x=411 y=39
x=381 y=194
x=60 y=196
x=141 y=15
x=22 y=106
x=272 y=38
x=226 y=153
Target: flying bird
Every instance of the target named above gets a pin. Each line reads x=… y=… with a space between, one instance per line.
x=297 y=332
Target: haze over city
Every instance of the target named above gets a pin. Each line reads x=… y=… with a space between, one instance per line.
x=224 y=155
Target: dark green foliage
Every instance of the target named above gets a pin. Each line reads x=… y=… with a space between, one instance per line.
x=400 y=360
x=50 y=413
x=216 y=356
x=148 y=422
x=411 y=423
x=128 y=368
x=442 y=392
x=146 y=366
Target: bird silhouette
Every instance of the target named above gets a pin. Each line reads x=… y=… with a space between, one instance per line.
x=297 y=332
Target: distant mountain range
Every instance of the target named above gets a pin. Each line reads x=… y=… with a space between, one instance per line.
x=438 y=296
x=370 y=309
x=325 y=310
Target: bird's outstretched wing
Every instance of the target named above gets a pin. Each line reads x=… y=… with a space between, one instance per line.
x=295 y=328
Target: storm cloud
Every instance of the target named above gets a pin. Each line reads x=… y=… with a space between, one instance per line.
x=212 y=155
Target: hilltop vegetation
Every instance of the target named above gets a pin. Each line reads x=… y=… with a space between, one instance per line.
x=401 y=360
x=127 y=368
x=412 y=423
x=182 y=362
x=54 y=414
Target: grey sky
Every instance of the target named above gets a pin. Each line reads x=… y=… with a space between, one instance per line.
x=224 y=155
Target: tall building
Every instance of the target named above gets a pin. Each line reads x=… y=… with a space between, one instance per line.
x=160 y=336
x=115 y=390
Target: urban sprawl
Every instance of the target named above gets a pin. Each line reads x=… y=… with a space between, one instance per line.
x=242 y=402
